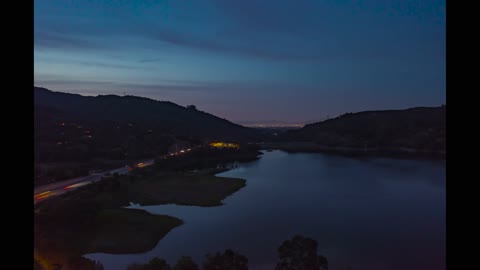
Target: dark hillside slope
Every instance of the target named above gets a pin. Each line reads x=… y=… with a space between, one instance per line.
x=74 y=132
x=166 y=116
x=416 y=129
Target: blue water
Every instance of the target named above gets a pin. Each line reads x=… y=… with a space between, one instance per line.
x=373 y=213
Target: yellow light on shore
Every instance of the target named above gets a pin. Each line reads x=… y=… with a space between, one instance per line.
x=224 y=145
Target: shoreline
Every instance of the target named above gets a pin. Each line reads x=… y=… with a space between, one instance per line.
x=308 y=147
x=96 y=218
x=107 y=214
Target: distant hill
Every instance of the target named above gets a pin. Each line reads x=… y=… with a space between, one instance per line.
x=164 y=115
x=415 y=129
x=75 y=128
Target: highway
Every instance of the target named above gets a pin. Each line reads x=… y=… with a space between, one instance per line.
x=50 y=190
x=57 y=188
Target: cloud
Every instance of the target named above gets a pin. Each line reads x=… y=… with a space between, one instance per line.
x=81 y=85
x=287 y=17
x=239 y=36
x=59 y=41
x=152 y=60
x=227 y=44
x=91 y=63
x=63 y=84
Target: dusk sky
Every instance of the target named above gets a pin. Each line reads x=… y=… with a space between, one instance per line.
x=263 y=60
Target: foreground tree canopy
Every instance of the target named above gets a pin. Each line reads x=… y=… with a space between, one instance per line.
x=185 y=263
x=299 y=253
x=228 y=260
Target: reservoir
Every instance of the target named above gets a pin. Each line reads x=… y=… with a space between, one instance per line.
x=365 y=213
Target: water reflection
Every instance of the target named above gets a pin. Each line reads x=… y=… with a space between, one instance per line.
x=364 y=213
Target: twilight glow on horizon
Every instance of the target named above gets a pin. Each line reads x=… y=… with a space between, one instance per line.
x=294 y=61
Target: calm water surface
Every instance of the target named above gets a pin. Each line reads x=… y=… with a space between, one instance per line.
x=370 y=214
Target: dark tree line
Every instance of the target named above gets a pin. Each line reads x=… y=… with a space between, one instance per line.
x=299 y=253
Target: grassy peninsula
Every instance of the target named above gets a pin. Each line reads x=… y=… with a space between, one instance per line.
x=93 y=218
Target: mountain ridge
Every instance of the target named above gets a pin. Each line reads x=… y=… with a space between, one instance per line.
x=138 y=109
x=418 y=129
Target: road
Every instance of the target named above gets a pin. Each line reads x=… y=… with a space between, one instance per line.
x=50 y=190
x=57 y=188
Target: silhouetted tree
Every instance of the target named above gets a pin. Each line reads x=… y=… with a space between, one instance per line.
x=226 y=261
x=191 y=107
x=135 y=266
x=154 y=264
x=158 y=264
x=300 y=253
x=81 y=263
x=185 y=263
